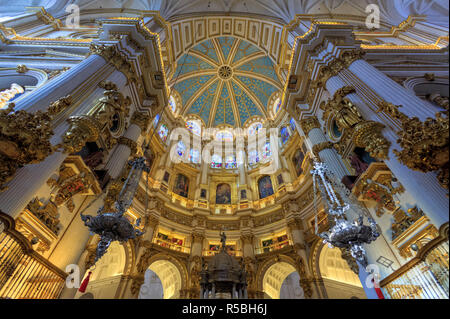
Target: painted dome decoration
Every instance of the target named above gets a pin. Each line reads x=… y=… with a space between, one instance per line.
x=225 y=81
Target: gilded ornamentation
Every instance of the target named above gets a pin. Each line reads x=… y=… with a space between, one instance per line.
x=83 y=128
x=24 y=139
x=424 y=144
x=337 y=65
x=366 y=134
x=113 y=56
x=47 y=214
x=305 y=281
x=132 y=145
x=404 y=220
x=141 y=119
x=307 y=124
x=59 y=105
x=21 y=68
x=317 y=148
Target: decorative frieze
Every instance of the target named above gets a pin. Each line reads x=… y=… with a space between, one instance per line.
x=424 y=144
x=24 y=139
x=307 y=124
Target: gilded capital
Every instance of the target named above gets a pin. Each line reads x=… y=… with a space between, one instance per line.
x=132 y=145
x=320 y=147
x=307 y=124
x=141 y=119
x=83 y=128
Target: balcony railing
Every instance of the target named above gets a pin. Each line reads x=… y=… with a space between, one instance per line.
x=24 y=274
x=171 y=245
x=426 y=276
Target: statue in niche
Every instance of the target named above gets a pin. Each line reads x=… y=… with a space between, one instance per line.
x=358 y=165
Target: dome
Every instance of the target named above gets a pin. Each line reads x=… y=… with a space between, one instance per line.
x=223 y=261
x=226 y=81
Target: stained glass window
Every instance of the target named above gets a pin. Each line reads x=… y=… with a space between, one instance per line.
x=276 y=105
x=253 y=157
x=181 y=148
x=230 y=162
x=266 y=153
x=194 y=156
x=194 y=127
x=163 y=132
x=156 y=121
x=216 y=161
x=254 y=128
x=224 y=136
x=284 y=134
x=172 y=104
x=293 y=126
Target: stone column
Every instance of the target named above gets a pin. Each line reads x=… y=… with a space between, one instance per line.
x=434 y=201
x=127 y=144
x=322 y=148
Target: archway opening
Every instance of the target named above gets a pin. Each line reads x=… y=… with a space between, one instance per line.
x=161 y=280
x=281 y=281
x=339 y=279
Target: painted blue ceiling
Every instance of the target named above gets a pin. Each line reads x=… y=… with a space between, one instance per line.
x=225 y=101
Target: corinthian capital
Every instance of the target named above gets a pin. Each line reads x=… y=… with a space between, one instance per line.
x=307 y=124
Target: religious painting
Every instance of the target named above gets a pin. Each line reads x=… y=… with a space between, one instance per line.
x=265 y=187
x=166 y=177
x=223 y=194
x=181 y=186
x=243 y=194
x=280 y=179
x=284 y=134
x=297 y=160
x=203 y=193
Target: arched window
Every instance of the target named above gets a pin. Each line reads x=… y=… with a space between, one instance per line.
x=223 y=194
x=194 y=156
x=163 y=132
x=284 y=134
x=297 y=160
x=292 y=124
x=230 y=162
x=266 y=153
x=253 y=157
x=216 y=161
x=265 y=187
x=276 y=106
x=172 y=104
x=156 y=121
x=194 y=127
x=254 y=128
x=224 y=136
x=181 y=186
x=181 y=148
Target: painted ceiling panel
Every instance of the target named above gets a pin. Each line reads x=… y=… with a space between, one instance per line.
x=189 y=63
x=207 y=48
x=245 y=104
x=202 y=105
x=225 y=44
x=224 y=112
x=262 y=90
x=250 y=84
x=244 y=50
x=190 y=86
x=262 y=66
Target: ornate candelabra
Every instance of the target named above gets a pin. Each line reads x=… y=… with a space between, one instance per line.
x=113 y=226
x=338 y=202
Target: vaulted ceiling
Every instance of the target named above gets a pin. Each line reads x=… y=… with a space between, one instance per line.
x=225 y=80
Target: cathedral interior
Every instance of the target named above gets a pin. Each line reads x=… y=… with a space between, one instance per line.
x=224 y=149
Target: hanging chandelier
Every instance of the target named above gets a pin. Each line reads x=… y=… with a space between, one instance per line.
x=338 y=204
x=114 y=226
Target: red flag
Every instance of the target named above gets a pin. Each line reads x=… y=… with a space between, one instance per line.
x=85 y=283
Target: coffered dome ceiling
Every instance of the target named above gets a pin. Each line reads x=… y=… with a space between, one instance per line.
x=225 y=80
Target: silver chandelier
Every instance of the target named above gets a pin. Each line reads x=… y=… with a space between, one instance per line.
x=113 y=226
x=338 y=201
